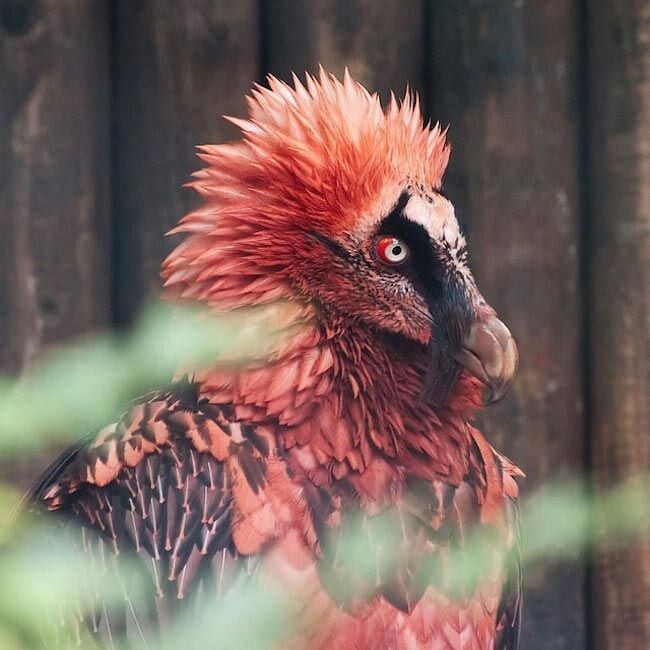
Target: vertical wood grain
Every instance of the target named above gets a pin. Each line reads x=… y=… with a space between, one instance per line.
x=380 y=42
x=619 y=134
x=178 y=67
x=54 y=175
x=504 y=75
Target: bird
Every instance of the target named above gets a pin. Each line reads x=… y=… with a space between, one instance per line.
x=329 y=210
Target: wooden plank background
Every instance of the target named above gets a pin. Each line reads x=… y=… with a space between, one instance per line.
x=55 y=218
x=102 y=102
x=619 y=269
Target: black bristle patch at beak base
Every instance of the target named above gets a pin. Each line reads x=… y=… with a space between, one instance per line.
x=452 y=316
x=442 y=373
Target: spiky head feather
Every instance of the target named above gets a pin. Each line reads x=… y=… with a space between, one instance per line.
x=321 y=156
x=318 y=154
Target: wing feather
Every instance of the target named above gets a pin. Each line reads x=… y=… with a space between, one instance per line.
x=143 y=489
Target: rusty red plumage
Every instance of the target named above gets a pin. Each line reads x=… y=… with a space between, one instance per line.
x=264 y=469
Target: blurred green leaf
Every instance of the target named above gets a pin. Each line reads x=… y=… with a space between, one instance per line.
x=251 y=616
x=81 y=387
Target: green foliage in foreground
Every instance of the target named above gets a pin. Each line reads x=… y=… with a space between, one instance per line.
x=82 y=387
x=76 y=389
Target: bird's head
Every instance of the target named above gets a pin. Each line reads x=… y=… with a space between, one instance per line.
x=332 y=200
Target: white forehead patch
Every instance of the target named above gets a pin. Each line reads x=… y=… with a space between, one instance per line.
x=436 y=215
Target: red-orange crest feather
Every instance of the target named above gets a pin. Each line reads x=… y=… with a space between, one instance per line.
x=320 y=152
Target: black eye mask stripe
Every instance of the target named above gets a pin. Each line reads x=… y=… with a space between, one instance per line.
x=444 y=294
x=423 y=267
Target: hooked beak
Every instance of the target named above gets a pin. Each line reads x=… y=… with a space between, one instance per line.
x=489 y=352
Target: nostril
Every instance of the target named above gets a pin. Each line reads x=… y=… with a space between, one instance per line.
x=500 y=331
x=489 y=350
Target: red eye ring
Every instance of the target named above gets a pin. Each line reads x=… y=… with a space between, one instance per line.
x=392 y=251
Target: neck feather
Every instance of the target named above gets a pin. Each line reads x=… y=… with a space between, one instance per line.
x=345 y=400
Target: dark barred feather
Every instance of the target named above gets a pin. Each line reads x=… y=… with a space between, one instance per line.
x=160 y=532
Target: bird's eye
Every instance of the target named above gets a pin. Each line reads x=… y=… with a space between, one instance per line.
x=392 y=251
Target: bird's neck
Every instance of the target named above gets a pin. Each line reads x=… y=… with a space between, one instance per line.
x=346 y=401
